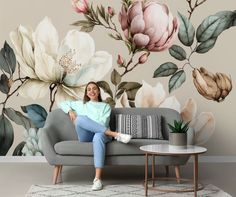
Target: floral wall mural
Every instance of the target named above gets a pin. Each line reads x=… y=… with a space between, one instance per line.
x=35 y=63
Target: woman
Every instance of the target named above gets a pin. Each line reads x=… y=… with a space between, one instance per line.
x=91 y=118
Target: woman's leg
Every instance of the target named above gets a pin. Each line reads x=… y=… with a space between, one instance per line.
x=90 y=125
x=83 y=135
x=99 y=151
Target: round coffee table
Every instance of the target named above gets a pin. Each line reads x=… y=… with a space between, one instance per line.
x=168 y=150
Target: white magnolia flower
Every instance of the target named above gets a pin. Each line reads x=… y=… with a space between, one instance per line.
x=203 y=124
x=39 y=52
x=149 y=96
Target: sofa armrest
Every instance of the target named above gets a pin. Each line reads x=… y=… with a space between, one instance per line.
x=49 y=137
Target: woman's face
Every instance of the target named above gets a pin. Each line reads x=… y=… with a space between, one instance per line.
x=93 y=92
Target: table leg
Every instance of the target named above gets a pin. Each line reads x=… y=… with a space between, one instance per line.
x=146 y=175
x=153 y=170
x=195 y=175
x=177 y=173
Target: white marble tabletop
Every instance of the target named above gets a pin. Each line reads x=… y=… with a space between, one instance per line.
x=167 y=149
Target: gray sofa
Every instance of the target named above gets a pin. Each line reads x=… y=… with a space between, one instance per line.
x=62 y=148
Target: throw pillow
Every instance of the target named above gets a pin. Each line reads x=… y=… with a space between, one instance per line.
x=139 y=126
x=154 y=127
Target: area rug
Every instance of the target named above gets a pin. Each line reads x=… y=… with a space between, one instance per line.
x=119 y=191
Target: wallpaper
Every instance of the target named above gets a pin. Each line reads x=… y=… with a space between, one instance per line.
x=141 y=53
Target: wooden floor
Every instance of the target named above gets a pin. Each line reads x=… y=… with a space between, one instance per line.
x=16 y=178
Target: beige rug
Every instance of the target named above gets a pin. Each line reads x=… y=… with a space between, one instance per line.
x=119 y=191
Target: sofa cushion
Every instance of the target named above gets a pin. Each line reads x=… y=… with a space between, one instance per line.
x=113 y=148
x=140 y=126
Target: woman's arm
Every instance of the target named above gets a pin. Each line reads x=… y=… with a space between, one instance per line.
x=66 y=106
x=105 y=116
x=70 y=107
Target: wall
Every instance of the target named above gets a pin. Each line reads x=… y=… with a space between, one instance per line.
x=219 y=59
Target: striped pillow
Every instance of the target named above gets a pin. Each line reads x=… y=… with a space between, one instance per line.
x=139 y=126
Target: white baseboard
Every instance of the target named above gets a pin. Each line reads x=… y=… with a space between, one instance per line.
x=215 y=159
x=41 y=159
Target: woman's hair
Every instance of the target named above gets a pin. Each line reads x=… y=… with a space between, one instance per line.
x=86 y=98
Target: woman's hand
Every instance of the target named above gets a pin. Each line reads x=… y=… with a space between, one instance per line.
x=72 y=115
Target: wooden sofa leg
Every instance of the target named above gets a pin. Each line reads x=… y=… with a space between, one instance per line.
x=177 y=173
x=57 y=169
x=167 y=171
x=60 y=169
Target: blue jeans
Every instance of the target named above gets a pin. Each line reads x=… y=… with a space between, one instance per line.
x=91 y=131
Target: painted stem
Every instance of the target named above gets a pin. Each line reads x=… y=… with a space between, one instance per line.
x=52 y=95
x=192 y=8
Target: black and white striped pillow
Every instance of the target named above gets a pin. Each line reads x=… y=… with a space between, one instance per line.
x=139 y=126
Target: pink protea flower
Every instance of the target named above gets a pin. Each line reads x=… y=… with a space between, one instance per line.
x=150 y=24
x=80 y=6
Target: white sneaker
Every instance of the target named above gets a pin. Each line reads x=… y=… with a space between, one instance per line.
x=97 y=184
x=125 y=138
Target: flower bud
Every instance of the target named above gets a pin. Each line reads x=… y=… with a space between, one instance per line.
x=111 y=11
x=80 y=6
x=143 y=58
x=120 y=60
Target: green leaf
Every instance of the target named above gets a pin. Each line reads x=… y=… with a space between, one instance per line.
x=186 y=30
x=132 y=104
x=86 y=26
x=18 y=149
x=3 y=62
x=106 y=87
x=116 y=37
x=131 y=89
x=234 y=19
x=179 y=126
x=165 y=69
x=103 y=13
x=119 y=93
x=94 y=14
x=10 y=56
x=173 y=129
x=206 y=46
x=110 y=101
x=226 y=21
x=185 y=127
x=36 y=113
x=4 y=84
x=107 y=17
x=176 y=124
x=207 y=28
x=176 y=80
x=82 y=23
x=87 y=29
x=115 y=77
x=89 y=18
x=6 y=135
x=122 y=85
x=177 y=52
x=19 y=118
